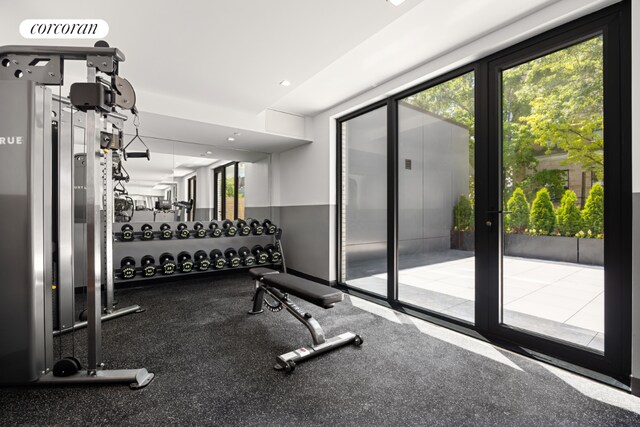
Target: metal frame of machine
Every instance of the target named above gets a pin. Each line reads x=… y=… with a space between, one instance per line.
x=27 y=316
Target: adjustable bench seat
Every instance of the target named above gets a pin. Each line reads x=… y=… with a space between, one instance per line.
x=320 y=295
x=278 y=287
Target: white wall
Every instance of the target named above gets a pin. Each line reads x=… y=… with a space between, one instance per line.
x=257 y=191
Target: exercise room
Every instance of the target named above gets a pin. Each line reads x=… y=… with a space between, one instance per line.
x=305 y=213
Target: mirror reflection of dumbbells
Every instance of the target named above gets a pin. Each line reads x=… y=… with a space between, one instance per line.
x=248 y=259
x=233 y=259
x=244 y=229
x=127 y=233
x=185 y=264
x=257 y=229
x=201 y=261
x=275 y=256
x=147 y=232
x=165 y=232
x=199 y=230
x=148 y=265
x=269 y=227
x=230 y=230
x=128 y=268
x=262 y=257
x=183 y=231
x=167 y=264
x=216 y=231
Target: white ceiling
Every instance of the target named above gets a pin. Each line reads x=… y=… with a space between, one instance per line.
x=205 y=69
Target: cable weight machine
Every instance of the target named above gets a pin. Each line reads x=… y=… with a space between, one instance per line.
x=26 y=252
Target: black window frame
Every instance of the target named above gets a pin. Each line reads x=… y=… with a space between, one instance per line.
x=614 y=23
x=222 y=170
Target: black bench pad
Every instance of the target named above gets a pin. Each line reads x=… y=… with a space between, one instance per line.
x=258 y=272
x=321 y=295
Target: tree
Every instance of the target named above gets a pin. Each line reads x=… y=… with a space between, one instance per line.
x=593 y=212
x=568 y=214
x=519 y=206
x=463 y=218
x=543 y=217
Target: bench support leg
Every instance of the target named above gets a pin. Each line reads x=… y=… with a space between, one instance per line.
x=258 y=299
x=320 y=345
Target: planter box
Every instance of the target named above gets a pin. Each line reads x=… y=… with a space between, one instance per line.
x=552 y=248
x=591 y=251
x=463 y=240
x=555 y=248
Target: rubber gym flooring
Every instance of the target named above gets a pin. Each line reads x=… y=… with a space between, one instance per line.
x=213 y=366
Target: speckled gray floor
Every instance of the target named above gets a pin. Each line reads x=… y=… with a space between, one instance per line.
x=214 y=367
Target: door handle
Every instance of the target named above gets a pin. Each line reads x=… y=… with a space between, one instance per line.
x=489 y=223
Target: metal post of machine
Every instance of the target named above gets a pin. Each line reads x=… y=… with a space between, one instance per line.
x=94 y=261
x=108 y=229
x=65 y=284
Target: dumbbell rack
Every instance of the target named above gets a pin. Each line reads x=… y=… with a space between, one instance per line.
x=137 y=248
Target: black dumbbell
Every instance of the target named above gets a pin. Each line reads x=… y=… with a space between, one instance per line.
x=230 y=230
x=275 y=256
x=244 y=229
x=215 y=230
x=127 y=232
x=128 y=267
x=233 y=259
x=184 y=262
x=167 y=264
x=248 y=258
x=147 y=232
x=183 y=231
x=165 y=232
x=148 y=264
x=261 y=255
x=202 y=261
x=200 y=232
x=218 y=259
x=256 y=227
x=269 y=227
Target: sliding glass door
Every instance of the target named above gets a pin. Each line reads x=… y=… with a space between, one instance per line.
x=363 y=214
x=496 y=198
x=436 y=166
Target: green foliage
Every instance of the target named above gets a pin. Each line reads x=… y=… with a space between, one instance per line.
x=593 y=212
x=553 y=180
x=569 y=218
x=463 y=218
x=230 y=187
x=519 y=206
x=554 y=104
x=543 y=217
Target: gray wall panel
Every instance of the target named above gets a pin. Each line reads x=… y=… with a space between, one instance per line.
x=635 y=316
x=306 y=238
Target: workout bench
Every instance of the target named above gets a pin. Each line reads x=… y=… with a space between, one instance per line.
x=278 y=286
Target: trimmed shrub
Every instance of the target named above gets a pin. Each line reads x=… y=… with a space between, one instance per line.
x=543 y=217
x=463 y=218
x=519 y=205
x=569 y=217
x=593 y=212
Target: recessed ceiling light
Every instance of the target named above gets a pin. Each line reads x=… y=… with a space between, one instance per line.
x=209 y=152
x=396 y=2
x=286 y=83
x=231 y=139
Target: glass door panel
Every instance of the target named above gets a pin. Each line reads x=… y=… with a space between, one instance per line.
x=364 y=202
x=436 y=231
x=553 y=195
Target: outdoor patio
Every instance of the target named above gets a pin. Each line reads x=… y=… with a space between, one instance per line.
x=561 y=300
